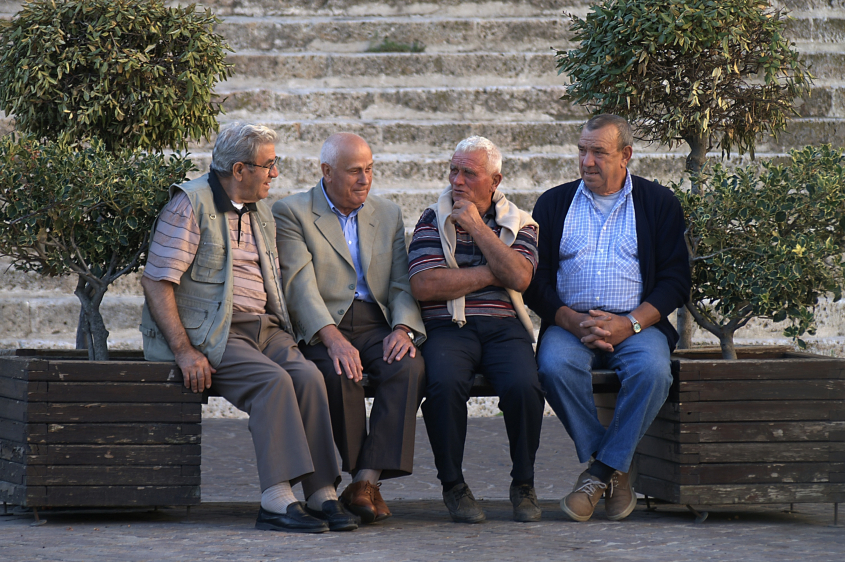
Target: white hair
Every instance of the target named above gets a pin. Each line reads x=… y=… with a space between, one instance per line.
x=239 y=142
x=477 y=144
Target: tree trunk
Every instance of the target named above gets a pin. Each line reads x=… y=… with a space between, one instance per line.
x=694 y=163
x=91 y=327
x=726 y=342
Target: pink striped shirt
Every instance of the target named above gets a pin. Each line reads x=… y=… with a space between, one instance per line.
x=174 y=247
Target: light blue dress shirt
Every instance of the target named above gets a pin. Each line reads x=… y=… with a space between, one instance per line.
x=349 y=225
x=599 y=263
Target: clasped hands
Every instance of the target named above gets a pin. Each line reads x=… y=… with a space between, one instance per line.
x=602 y=330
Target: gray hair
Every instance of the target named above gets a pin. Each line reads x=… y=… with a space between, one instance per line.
x=331 y=149
x=623 y=129
x=477 y=144
x=239 y=142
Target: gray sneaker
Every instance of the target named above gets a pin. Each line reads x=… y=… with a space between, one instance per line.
x=462 y=505
x=525 y=506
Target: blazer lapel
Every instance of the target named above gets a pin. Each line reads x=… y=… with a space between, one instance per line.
x=328 y=224
x=367 y=228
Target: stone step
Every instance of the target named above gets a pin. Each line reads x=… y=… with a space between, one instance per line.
x=422 y=137
x=487 y=8
x=498 y=103
x=357 y=8
x=438 y=34
x=392 y=70
x=446 y=34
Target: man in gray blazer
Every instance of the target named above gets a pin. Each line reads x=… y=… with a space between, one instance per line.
x=345 y=277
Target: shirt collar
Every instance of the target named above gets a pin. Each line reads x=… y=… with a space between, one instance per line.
x=334 y=209
x=627 y=187
x=222 y=201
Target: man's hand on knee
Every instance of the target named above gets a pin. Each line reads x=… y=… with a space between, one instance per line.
x=196 y=370
x=397 y=344
x=344 y=356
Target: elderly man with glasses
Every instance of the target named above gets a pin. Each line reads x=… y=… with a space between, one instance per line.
x=214 y=305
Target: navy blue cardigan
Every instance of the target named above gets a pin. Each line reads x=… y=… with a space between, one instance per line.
x=664 y=261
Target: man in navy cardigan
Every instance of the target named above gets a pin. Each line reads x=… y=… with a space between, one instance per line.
x=613 y=266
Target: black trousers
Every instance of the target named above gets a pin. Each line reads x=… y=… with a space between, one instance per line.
x=389 y=444
x=500 y=349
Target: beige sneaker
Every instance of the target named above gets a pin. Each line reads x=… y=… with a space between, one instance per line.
x=619 y=499
x=582 y=500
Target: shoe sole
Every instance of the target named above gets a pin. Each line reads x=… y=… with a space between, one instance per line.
x=382 y=517
x=271 y=527
x=571 y=514
x=628 y=510
x=528 y=519
x=366 y=515
x=479 y=519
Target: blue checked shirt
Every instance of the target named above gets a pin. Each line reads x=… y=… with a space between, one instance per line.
x=599 y=266
x=349 y=225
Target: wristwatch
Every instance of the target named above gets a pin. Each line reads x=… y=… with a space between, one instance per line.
x=635 y=324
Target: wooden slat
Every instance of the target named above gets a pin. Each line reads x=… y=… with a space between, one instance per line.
x=119 y=433
x=743 y=352
x=110 y=496
x=767 y=410
x=731 y=390
x=14 y=410
x=758 y=432
x=86 y=392
x=737 y=473
x=110 y=371
x=14 y=452
x=724 y=494
x=112 y=455
x=14 y=494
x=15 y=431
x=772 y=369
x=15 y=389
x=12 y=472
x=20 y=367
x=114 y=412
x=113 y=475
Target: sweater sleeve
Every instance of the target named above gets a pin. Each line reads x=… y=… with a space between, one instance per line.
x=541 y=296
x=671 y=260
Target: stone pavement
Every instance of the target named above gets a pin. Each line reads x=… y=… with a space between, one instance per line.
x=222 y=527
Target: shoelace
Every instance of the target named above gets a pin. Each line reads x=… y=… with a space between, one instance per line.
x=590 y=486
x=525 y=492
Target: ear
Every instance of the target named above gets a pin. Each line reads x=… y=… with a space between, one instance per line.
x=497 y=179
x=327 y=172
x=627 y=153
x=238 y=171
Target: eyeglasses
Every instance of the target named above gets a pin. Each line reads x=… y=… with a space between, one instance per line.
x=275 y=164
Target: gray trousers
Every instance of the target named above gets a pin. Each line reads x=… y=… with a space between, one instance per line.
x=264 y=374
x=389 y=444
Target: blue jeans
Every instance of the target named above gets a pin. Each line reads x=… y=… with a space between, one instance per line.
x=643 y=366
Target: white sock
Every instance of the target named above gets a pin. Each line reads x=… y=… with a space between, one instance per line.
x=324 y=494
x=277 y=498
x=371 y=475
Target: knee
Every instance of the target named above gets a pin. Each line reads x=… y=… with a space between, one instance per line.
x=653 y=374
x=441 y=383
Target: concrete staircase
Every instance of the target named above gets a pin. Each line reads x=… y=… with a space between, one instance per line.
x=302 y=67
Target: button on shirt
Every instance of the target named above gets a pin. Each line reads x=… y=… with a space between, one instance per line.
x=349 y=225
x=599 y=265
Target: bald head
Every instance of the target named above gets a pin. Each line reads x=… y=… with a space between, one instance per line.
x=347 y=165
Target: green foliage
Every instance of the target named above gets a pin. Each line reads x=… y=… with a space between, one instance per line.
x=767 y=242
x=388 y=45
x=87 y=211
x=133 y=73
x=691 y=70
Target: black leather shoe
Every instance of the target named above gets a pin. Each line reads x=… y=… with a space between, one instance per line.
x=295 y=520
x=338 y=518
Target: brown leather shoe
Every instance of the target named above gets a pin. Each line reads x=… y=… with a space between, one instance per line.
x=582 y=500
x=359 y=498
x=382 y=511
x=619 y=498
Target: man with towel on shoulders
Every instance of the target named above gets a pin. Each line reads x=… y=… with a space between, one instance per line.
x=472 y=255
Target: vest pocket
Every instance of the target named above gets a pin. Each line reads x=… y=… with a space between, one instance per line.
x=209 y=264
x=197 y=315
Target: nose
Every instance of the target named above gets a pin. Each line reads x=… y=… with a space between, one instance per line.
x=588 y=159
x=274 y=171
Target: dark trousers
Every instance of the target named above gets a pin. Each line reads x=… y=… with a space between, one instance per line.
x=389 y=445
x=500 y=349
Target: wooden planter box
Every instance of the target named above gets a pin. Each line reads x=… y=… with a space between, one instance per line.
x=767 y=428
x=111 y=433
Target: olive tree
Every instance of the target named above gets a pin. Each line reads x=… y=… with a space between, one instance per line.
x=767 y=242
x=98 y=89
x=710 y=74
